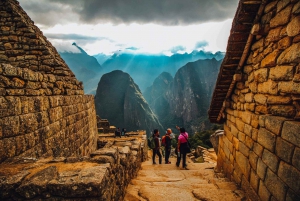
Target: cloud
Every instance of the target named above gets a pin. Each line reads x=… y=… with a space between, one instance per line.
x=74 y=37
x=131 y=48
x=177 y=49
x=164 y=12
x=201 y=44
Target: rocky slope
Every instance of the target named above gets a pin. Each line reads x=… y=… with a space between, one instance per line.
x=120 y=100
x=185 y=99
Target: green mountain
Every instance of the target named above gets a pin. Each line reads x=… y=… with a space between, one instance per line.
x=120 y=100
x=184 y=100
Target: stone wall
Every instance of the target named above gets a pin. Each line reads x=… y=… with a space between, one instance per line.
x=103 y=176
x=43 y=111
x=260 y=149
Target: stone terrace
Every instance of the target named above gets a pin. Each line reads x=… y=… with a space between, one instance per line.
x=103 y=176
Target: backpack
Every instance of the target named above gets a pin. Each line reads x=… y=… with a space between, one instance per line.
x=163 y=141
x=151 y=142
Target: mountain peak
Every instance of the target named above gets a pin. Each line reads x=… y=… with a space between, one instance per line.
x=80 y=49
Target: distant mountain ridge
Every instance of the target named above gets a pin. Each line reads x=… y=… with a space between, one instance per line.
x=85 y=67
x=120 y=100
x=145 y=68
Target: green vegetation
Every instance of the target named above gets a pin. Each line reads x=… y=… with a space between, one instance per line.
x=202 y=138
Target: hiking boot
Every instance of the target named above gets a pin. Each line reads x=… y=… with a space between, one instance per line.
x=185 y=168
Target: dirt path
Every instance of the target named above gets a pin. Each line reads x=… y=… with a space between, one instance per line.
x=167 y=182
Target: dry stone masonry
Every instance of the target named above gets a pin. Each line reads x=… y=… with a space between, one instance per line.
x=43 y=109
x=260 y=148
x=102 y=176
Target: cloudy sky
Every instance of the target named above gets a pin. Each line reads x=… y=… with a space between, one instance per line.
x=141 y=26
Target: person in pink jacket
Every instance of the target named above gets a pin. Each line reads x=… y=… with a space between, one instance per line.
x=182 y=147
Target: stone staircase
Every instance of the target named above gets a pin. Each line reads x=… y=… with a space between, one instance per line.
x=167 y=182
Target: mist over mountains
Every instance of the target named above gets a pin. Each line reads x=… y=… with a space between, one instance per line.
x=176 y=89
x=142 y=68
x=145 y=68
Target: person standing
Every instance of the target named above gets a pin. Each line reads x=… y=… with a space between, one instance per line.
x=182 y=147
x=156 y=150
x=118 y=133
x=168 y=146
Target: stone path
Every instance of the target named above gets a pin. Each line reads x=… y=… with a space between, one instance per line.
x=167 y=182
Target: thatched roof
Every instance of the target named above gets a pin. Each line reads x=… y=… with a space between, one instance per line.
x=241 y=34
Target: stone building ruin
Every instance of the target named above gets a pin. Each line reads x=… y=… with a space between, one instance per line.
x=44 y=111
x=257 y=97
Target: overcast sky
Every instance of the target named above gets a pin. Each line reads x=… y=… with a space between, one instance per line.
x=148 y=26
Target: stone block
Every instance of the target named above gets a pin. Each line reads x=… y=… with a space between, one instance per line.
x=20 y=144
x=240 y=125
x=15 y=92
x=254 y=134
x=226 y=152
x=10 y=126
x=253 y=160
x=254 y=120
x=281 y=18
x=258 y=149
x=266 y=139
x=254 y=180
x=292 y=196
x=274 y=124
x=284 y=150
x=268 y=87
x=9 y=145
x=286 y=87
x=249 y=142
x=253 y=86
x=296 y=158
x=296 y=8
x=249 y=97
x=261 y=169
x=261 y=120
x=248 y=129
x=282 y=73
x=258 y=44
x=261 y=75
x=273 y=35
x=247 y=69
x=290 y=55
x=271 y=160
x=289 y=175
x=288 y=111
x=279 y=100
x=293 y=28
x=290 y=132
x=235 y=143
x=243 y=163
x=263 y=192
x=244 y=149
x=275 y=185
x=55 y=114
x=260 y=98
x=270 y=6
x=284 y=43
